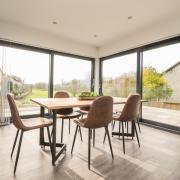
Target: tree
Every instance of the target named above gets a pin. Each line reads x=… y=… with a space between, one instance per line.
x=155 y=85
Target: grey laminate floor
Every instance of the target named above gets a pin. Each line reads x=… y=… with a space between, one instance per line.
x=158 y=157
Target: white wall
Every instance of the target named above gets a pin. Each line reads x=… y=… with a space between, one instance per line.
x=26 y=35
x=160 y=31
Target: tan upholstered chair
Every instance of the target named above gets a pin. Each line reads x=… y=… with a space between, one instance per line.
x=26 y=125
x=99 y=115
x=129 y=113
x=66 y=113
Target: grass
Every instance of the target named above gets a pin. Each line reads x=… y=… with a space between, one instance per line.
x=36 y=93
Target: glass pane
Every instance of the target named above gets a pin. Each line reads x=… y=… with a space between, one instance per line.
x=161 y=87
x=28 y=75
x=72 y=75
x=119 y=75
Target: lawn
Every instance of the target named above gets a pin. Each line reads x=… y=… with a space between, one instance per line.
x=36 y=93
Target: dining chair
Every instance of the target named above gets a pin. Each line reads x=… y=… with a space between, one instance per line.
x=25 y=125
x=99 y=115
x=129 y=113
x=66 y=113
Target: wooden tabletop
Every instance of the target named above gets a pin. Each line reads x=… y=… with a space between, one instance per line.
x=58 y=103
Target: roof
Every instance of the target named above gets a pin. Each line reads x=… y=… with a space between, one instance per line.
x=172 y=67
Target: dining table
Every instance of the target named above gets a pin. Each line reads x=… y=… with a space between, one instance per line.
x=52 y=105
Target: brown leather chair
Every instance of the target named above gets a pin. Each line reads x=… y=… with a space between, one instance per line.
x=66 y=113
x=99 y=115
x=129 y=113
x=26 y=125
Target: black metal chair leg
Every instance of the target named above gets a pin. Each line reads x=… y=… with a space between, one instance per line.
x=42 y=137
x=136 y=133
x=62 y=128
x=138 y=125
x=123 y=137
x=14 y=144
x=91 y=133
x=80 y=133
x=119 y=129
x=89 y=148
x=107 y=132
x=74 y=139
x=69 y=126
x=113 y=124
x=93 y=137
x=49 y=137
x=52 y=132
x=18 y=151
x=127 y=129
x=104 y=137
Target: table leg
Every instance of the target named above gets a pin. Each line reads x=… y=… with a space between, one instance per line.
x=54 y=139
x=133 y=129
x=41 y=136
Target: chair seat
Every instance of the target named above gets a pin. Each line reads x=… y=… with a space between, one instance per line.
x=35 y=123
x=80 y=122
x=69 y=116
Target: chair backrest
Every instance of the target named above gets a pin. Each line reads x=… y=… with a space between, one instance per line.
x=14 y=112
x=63 y=94
x=131 y=108
x=100 y=112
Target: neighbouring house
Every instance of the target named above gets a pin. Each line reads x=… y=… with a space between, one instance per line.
x=172 y=75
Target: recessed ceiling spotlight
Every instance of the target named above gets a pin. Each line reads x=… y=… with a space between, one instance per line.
x=95 y=35
x=130 y=17
x=54 y=22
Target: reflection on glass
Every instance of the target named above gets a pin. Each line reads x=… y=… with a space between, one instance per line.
x=72 y=75
x=119 y=75
x=161 y=87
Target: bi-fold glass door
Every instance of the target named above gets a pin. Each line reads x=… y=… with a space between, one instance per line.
x=161 y=85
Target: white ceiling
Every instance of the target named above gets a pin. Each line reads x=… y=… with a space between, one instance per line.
x=80 y=20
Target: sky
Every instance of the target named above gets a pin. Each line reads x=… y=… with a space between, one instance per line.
x=160 y=58
x=33 y=67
